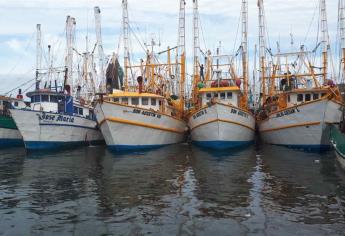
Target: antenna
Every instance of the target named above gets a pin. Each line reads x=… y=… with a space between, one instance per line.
x=38 y=54
x=125 y=25
x=325 y=43
x=98 y=28
x=342 y=31
x=182 y=30
x=291 y=40
x=262 y=45
x=196 y=42
x=245 y=50
x=70 y=39
x=181 y=50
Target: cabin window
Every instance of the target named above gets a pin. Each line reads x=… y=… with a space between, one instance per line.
x=124 y=100
x=299 y=97
x=81 y=111
x=222 y=95
x=315 y=96
x=53 y=99
x=323 y=94
x=45 y=98
x=116 y=99
x=229 y=95
x=216 y=95
x=75 y=110
x=36 y=98
x=153 y=102
x=145 y=101
x=289 y=99
x=208 y=96
x=15 y=104
x=91 y=114
x=307 y=97
x=135 y=101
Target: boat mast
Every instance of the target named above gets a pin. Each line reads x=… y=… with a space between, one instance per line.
x=245 y=51
x=38 y=54
x=70 y=36
x=182 y=50
x=196 y=46
x=342 y=31
x=125 y=25
x=325 y=44
x=98 y=28
x=262 y=45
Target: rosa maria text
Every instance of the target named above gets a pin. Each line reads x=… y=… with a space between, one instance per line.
x=58 y=118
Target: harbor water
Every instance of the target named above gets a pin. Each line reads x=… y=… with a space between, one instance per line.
x=175 y=190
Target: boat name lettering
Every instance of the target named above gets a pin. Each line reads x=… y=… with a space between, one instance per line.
x=45 y=117
x=49 y=117
x=65 y=119
x=146 y=113
x=200 y=113
x=287 y=112
x=240 y=113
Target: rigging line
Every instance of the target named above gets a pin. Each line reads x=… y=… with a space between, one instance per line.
x=27 y=89
x=311 y=23
x=202 y=31
x=238 y=28
x=137 y=38
x=26 y=48
x=317 y=36
x=23 y=84
x=119 y=43
x=268 y=43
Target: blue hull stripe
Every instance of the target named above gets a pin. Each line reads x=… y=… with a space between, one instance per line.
x=40 y=145
x=11 y=143
x=310 y=148
x=125 y=148
x=222 y=145
x=68 y=125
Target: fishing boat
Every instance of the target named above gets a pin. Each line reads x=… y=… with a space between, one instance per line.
x=56 y=117
x=299 y=99
x=9 y=133
x=145 y=111
x=220 y=118
x=338 y=131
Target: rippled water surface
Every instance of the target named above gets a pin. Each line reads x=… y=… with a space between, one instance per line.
x=176 y=190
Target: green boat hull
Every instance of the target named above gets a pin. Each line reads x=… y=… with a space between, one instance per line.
x=338 y=142
x=9 y=134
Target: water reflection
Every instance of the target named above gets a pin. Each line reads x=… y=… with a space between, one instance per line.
x=176 y=190
x=302 y=188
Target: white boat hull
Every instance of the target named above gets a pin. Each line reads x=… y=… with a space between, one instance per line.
x=43 y=130
x=130 y=128
x=222 y=127
x=303 y=127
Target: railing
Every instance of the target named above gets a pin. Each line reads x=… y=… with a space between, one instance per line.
x=5 y=113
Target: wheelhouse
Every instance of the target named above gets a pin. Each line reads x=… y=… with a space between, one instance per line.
x=225 y=95
x=8 y=102
x=58 y=102
x=143 y=100
x=302 y=96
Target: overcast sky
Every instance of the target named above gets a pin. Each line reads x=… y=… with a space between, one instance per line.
x=148 y=18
